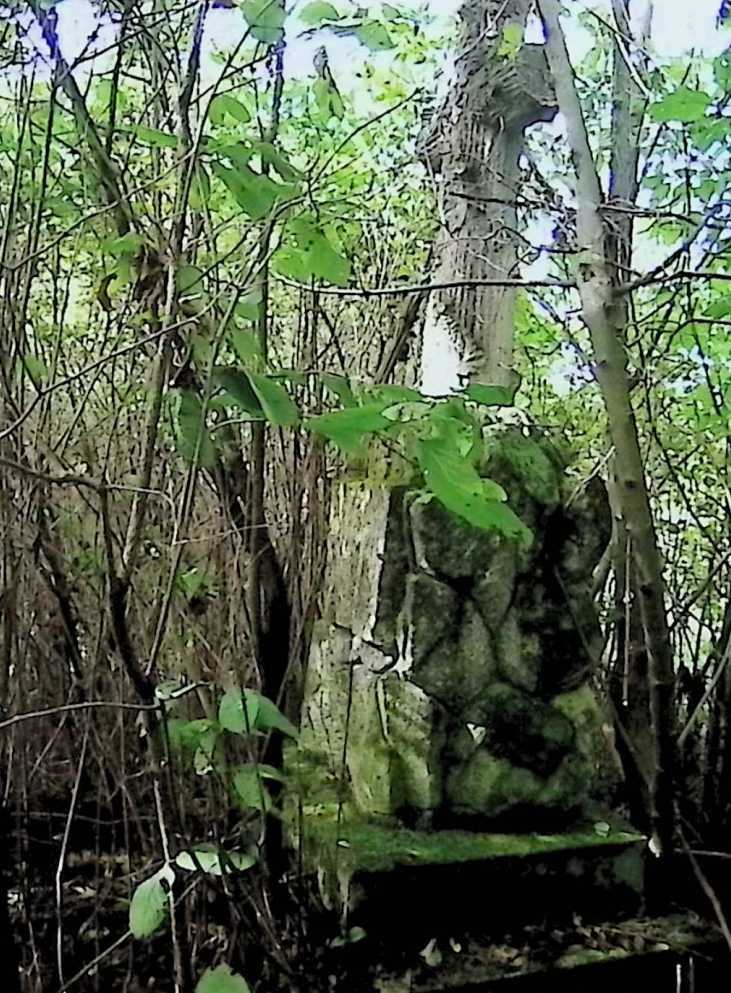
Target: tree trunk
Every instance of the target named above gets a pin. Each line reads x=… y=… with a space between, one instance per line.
x=603 y=311
x=474 y=143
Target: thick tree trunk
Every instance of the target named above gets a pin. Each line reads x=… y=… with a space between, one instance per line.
x=474 y=144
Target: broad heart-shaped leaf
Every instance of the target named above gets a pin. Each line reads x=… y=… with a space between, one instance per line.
x=265 y=18
x=455 y=482
x=149 y=907
x=491 y=396
x=374 y=36
x=237 y=711
x=349 y=427
x=250 y=788
x=221 y=980
x=213 y=860
x=194 y=440
x=238 y=386
x=279 y=408
x=315 y=14
x=683 y=104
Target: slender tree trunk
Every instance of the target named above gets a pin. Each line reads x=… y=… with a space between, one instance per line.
x=604 y=312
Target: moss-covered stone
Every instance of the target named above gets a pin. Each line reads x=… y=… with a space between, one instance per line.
x=457 y=671
x=378 y=846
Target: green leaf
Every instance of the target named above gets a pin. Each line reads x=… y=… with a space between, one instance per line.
x=224 y=106
x=392 y=393
x=194 y=440
x=511 y=41
x=340 y=387
x=192 y=292
x=455 y=482
x=328 y=99
x=248 y=783
x=186 y=736
x=233 y=716
x=36 y=368
x=683 y=104
x=279 y=408
x=222 y=980
x=151 y=136
x=266 y=19
x=491 y=396
x=238 y=386
x=273 y=157
x=254 y=193
x=318 y=255
x=354 y=935
x=215 y=861
x=719 y=309
x=269 y=717
x=315 y=14
x=126 y=244
x=348 y=428
x=248 y=307
x=374 y=36
x=148 y=909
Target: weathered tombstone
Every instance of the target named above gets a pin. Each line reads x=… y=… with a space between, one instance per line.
x=449 y=683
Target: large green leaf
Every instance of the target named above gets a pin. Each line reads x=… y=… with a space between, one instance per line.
x=257 y=195
x=265 y=19
x=350 y=427
x=374 y=36
x=238 y=386
x=238 y=711
x=148 y=910
x=315 y=14
x=683 y=104
x=340 y=387
x=251 y=790
x=224 y=106
x=491 y=396
x=150 y=136
x=315 y=255
x=269 y=717
x=221 y=980
x=125 y=244
x=194 y=440
x=328 y=99
x=454 y=480
x=186 y=736
x=278 y=406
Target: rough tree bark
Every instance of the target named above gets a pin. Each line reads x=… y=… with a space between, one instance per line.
x=473 y=143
